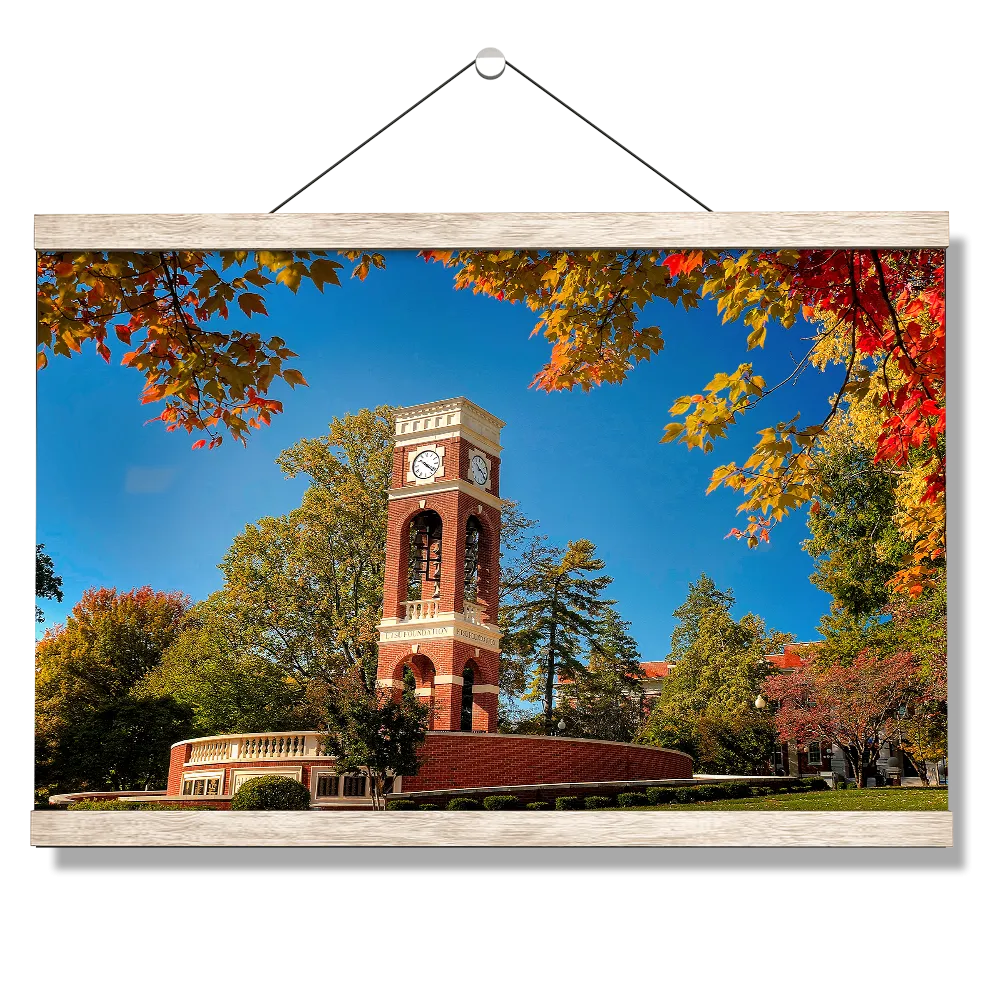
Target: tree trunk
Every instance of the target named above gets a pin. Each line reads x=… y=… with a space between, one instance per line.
x=550 y=675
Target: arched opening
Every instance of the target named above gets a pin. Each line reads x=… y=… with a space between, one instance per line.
x=473 y=559
x=409 y=682
x=424 y=566
x=468 y=679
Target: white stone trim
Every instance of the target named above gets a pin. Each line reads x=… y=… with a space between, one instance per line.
x=462 y=485
x=485 y=689
x=388 y=682
x=457 y=417
x=240 y=774
x=446 y=626
x=423 y=692
x=441 y=680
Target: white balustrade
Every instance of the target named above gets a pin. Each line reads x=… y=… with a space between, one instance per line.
x=473 y=613
x=257 y=746
x=212 y=750
x=417 y=611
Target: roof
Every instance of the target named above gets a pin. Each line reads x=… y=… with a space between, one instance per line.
x=790 y=657
x=655 y=669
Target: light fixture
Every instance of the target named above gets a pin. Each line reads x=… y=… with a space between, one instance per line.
x=761 y=702
x=561 y=725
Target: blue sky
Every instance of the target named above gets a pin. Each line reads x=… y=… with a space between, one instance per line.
x=123 y=503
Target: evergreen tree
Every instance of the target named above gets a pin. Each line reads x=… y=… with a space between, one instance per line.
x=557 y=616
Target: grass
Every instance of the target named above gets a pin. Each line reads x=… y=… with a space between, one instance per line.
x=845 y=800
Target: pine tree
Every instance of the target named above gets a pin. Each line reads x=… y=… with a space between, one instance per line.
x=558 y=616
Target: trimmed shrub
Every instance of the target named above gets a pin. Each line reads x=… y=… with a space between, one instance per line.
x=271 y=792
x=429 y=805
x=463 y=803
x=818 y=784
x=501 y=802
x=568 y=802
x=396 y=805
x=760 y=790
x=539 y=805
x=661 y=795
x=627 y=799
x=598 y=802
x=709 y=793
x=740 y=790
x=684 y=794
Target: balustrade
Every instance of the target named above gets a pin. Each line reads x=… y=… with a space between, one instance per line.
x=416 y=611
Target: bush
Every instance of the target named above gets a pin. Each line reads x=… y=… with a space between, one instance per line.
x=568 y=802
x=429 y=805
x=500 y=802
x=539 y=805
x=401 y=804
x=686 y=795
x=627 y=799
x=598 y=802
x=271 y=792
x=709 y=793
x=818 y=784
x=658 y=796
x=463 y=804
x=759 y=790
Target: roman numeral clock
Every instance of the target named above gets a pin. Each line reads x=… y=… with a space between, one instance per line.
x=438 y=633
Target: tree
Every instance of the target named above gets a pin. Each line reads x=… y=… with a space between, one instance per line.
x=309 y=583
x=373 y=735
x=914 y=626
x=85 y=675
x=856 y=545
x=605 y=700
x=879 y=314
x=218 y=668
x=848 y=703
x=706 y=707
x=559 y=611
x=122 y=745
x=48 y=586
x=172 y=310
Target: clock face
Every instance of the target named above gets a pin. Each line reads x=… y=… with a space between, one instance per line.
x=426 y=463
x=478 y=471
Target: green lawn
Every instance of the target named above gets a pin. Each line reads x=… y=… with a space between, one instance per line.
x=847 y=800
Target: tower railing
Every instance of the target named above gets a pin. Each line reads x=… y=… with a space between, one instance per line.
x=418 y=611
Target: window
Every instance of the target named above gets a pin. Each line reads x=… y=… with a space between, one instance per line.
x=465 y=723
x=354 y=784
x=326 y=786
x=202 y=784
x=815 y=754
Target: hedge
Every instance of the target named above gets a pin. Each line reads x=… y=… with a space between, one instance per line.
x=429 y=805
x=401 y=804
x=539 y=805
x=598 y=802
x=463 y=803
x=659 y=796
x=124 y=805
x=568 y=802
x=626 y=799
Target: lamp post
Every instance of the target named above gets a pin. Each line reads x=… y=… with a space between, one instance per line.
x=561 y=726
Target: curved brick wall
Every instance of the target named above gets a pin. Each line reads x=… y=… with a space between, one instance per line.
x=486 y=760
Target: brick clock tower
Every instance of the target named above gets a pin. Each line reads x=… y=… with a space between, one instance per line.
x=438 y=633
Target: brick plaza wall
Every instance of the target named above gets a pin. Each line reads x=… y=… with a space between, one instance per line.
x=487 y=760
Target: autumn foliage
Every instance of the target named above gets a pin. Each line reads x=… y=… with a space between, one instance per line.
x=172 y=310
x=877 y=314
